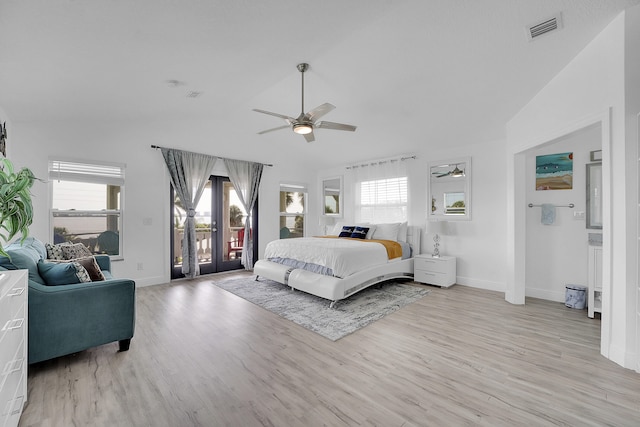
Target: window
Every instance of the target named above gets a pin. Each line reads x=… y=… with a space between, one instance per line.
x=292 y=210
x=382 y=200
x=86 y=205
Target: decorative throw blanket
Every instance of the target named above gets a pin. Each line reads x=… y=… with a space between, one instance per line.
x=344 y=256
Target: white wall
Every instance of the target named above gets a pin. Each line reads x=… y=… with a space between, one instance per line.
x=478 y=244
x=556 y=255
x=147 y=182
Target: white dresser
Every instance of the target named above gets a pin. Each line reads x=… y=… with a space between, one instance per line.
x=434 y=271
x=13 y=346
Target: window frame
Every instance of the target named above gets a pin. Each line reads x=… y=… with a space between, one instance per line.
x=294 y=187
x=88 y=171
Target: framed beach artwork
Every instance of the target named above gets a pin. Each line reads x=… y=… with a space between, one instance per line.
x=554 y=171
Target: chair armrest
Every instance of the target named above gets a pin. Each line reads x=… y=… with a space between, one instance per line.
x=69 y=318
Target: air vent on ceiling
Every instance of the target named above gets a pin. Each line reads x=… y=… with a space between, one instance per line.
x=547 y=26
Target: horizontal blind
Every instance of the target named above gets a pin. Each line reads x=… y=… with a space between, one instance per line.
x=383 y=200
x=293 y=188
x=102 y=173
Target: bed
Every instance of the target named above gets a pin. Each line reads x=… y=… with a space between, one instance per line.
x=335 y=268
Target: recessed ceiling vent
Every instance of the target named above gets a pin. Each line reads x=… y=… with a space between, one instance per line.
x=547 y=26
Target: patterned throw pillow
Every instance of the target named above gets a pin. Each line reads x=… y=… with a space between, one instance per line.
x=91 y=265
x=360 y=232
x=82 y=273
x=347 y=230
x=54 y=252
x=77 y=250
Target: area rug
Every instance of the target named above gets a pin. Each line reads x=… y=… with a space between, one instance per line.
x=313 y=312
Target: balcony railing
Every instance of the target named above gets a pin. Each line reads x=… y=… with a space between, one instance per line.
x=205 y=244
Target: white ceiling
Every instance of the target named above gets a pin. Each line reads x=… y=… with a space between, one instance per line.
x=414 y=73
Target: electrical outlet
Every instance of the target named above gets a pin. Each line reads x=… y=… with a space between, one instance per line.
x=140 y=266
x=579 y=215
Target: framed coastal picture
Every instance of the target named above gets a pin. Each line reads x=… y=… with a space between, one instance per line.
x=554 y=171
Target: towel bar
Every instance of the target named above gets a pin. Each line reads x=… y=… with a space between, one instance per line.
x=570 y=205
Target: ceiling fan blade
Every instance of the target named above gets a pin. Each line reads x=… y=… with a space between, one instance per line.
x=271 y=130
x=319 y=111
x=282 y=116
x=336 y=126
x=309 y=137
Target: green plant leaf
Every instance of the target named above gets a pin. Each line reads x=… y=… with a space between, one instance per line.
x=16 y=208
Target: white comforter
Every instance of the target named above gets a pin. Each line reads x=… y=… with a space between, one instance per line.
x=343 y=256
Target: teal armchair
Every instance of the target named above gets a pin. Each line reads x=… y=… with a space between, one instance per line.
x=65 y=319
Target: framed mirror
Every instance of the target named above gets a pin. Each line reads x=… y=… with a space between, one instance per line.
x=332 y=203
x=449 y=190
x=594 y=196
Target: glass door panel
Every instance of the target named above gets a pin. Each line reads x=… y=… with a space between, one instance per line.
x=220 y=219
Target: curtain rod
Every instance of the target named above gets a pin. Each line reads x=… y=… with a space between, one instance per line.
x=376 y=162
x=570 y=205
x=217 y=157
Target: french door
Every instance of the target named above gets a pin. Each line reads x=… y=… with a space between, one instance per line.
x=220 y=220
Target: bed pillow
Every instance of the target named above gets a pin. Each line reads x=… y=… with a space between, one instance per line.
x=347 y=230
x=387 y=231
x=360 y=232
x=337 y=228
x=371 y=227
x=402 y=233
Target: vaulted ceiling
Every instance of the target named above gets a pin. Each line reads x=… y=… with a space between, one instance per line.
x=407 y=72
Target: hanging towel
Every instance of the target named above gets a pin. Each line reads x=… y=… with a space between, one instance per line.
x=548 y=214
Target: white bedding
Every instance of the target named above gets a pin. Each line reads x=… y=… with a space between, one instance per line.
x=343 y=256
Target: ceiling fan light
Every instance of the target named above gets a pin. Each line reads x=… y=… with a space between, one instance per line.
x=457 y=173
x=302 y=129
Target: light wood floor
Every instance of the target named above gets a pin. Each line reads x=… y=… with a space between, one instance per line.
x=460 y=356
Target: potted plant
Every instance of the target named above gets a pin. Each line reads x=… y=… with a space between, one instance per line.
x=16 y=209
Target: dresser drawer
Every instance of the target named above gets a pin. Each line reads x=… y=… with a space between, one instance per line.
x=12 y=405
x=12 y=372
x=12 y=332
x=12 y=296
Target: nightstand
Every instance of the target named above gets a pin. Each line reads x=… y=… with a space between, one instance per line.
x=435 y=271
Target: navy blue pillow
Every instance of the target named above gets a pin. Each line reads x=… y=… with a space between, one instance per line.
x=360 y=232
x=347 y=230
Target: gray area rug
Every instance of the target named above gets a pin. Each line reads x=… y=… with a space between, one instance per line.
x=313 y=312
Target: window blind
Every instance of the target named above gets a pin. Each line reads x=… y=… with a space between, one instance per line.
x=97 y=173
x=382 y=200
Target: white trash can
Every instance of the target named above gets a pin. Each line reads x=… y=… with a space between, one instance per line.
x=576 y=296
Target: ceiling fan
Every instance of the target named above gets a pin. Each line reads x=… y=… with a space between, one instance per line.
x=455 y=172
x=305 y=123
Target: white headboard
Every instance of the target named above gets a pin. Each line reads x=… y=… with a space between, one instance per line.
x=414 y=238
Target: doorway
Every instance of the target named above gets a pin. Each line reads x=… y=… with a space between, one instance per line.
x=220 y=219
x=516 y=214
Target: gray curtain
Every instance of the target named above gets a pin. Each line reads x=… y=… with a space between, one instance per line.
x=189 y=174
x=245 y=177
